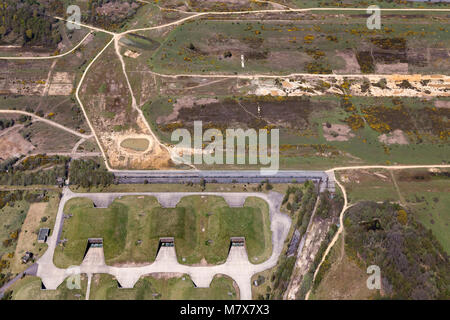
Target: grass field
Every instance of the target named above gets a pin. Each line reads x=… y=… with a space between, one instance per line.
x=40 y=215
x=429 y=201
x=22 y=213
x=301 y=121
x=104 y=287
x=12 y=218
x=375 y=185
x=131 y=228
x=303 y=45
x=29 y=288
x=135 y=144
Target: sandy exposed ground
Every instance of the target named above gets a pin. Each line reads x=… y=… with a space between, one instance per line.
x=351 y=63
x=61 y=84
x=337 y=132
x=442 y=104
x=14 y=145
x=154 y=157
x=385 y=68
x=132 y=54
x=396 y=137
x=310 y=85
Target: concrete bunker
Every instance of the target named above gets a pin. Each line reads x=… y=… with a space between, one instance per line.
x=237 y=242
x=93 y=243
x=43 y=235
x=165 y=242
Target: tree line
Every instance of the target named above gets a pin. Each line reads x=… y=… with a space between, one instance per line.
x=27 y=22
x=53 y=170
x=88 y=173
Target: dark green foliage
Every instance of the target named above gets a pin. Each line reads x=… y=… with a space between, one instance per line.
x=88 y=173
x=305 y=285
x=37 y=161
x=413 y=263
x=328 y=205
x=24 y=178
x=25 y=173
x=114 y=18
x=9 y=197
x=6 y=123
x=26 y=22
x=280 y=280
x=7 y=295
x=366 y=62
x=266 y=184
x=7 y=164
x=319 y=255
x=303 y=203
x=308 y=200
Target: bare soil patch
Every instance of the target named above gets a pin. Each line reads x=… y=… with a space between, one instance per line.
x=118 y=9
x=351 y=63
x=14 y=145
x=345 y=281
x=337 y=132
x=442 y=104
x=61 y=84
x=108 y=103
x=132 y=54
x=388 y=68
x=395 y=137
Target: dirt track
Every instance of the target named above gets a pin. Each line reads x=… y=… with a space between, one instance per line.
x=116 y=37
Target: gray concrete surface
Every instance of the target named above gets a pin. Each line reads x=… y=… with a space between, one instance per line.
x=220 y=176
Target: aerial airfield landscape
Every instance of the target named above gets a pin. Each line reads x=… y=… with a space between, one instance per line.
x=224 y=150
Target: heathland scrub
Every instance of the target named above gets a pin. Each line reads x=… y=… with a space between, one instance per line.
x=117 y=36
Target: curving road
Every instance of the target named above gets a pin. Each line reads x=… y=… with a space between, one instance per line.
x=49 y=57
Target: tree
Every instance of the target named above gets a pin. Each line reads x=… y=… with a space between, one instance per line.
x=29 y=34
